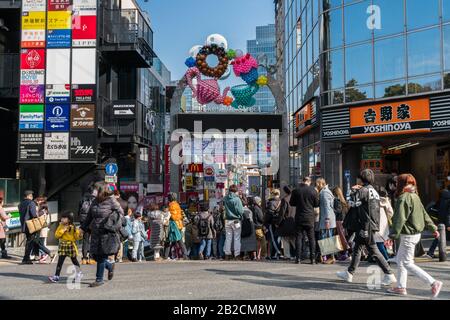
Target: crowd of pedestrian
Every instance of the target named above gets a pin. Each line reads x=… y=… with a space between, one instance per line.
x=311 y=223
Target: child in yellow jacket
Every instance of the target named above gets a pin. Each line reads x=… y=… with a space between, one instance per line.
x=67 y=234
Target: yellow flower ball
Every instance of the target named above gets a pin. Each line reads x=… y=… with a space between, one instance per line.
x=262 y=81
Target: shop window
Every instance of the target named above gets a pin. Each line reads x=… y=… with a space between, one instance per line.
x=420 y=13
x=390 y=59
x=424 y=50
x=424 y=84
x=392 y=17
x=390 y=89
x=355 y=23
x=359 y=65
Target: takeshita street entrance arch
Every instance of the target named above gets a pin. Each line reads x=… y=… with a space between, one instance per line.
x=207 y=90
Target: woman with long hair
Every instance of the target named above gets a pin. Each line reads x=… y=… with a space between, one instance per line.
x=327 y=217
x=410 y=219
x=104 y=221
x=341 y=208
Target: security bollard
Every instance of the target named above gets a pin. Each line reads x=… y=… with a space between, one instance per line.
x=442 y=243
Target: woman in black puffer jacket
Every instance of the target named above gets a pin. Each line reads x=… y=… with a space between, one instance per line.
x=105 y=221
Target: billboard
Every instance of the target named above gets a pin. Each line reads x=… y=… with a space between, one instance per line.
x=83 y=93
x=31 y=117
x=31 y=146
x=31 y=94
x=31 y=77
x=33 y=29
x=82 y=146
x=57 y=117
x=33 y=20
x=59 y=38
x=59 y=20
x=58 y=66
x=58 y=5
x=57 y=93
x=83 y=66
x=84 y=30
x=32 y=59
x=56 y=146
x=34 y=5
x=84 y=5
x=82 y=116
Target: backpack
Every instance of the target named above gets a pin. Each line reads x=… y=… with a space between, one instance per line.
x=247 y=229
x=85 y=206
x=218 y=223
x=203 y=227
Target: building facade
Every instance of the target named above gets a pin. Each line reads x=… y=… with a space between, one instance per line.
x=368 y=85
x=264 y=43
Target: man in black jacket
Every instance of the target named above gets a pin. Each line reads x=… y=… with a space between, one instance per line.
x=305 y=198
x=366 y=222
x=28 y=211
x=83 y=211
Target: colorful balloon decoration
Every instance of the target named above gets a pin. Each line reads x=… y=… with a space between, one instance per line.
x=208 y=90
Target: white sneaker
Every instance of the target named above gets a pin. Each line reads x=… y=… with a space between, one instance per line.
x=345 y=275
x=436 y=288
x=388 y=279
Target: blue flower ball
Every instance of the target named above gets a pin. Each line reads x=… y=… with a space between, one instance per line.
x=190 y=62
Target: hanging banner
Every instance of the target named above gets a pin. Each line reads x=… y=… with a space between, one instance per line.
x=31 y=94
x=83 y=93
x=59 y=38
x=34 y=5
x=57 y=117
x=82 y=146
x=59 y=20
x=57 y=93
x=82 y=116
x=56 y=146
x=58 y=5
x=31 y=146
x=32 y=59
x=31 y=117
x=84 y=30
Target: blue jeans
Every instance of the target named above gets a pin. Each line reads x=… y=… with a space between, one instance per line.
x=433 y=247
x=194 y=250
x=125 y=249
x=383 y=250
x=102 y=264
x=206 y=243
x=220 y=244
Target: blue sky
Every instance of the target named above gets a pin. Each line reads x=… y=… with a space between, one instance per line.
x=178 y=25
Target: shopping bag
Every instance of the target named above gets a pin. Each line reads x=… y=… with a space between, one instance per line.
x=36 y=224
x=330 y=245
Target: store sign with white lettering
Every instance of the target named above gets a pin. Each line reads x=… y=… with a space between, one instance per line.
x=82 y=146
x=82 y=116
x=83 y=93
x=56 y=146
x=31 y=146
x=124 y=110
x=57 y=93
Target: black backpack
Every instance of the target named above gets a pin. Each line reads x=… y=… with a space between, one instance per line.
x=246 y=230
x=203 y=227
x=218 y=223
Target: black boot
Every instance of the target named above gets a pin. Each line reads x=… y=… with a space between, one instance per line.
x=5 y=255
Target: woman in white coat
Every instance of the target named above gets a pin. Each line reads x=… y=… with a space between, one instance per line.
x=386 y=214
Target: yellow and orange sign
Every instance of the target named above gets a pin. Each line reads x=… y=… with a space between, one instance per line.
x=303 y=119
x=33 y=21
x=390 y=118
x=57 y=20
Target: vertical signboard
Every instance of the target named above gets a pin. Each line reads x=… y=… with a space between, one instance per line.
x=52 y=76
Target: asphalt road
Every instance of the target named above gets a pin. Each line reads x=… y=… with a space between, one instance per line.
x=209 y=280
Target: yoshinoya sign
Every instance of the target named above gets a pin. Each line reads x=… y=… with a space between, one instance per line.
x=56 y=146
x=31 y=145
x=82 y=116
x=82 y=146
x=83 y=93
x=404 y=117
x=57 y=93
x=57 y=117
x=124 y=109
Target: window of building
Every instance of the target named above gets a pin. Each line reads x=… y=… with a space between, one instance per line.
x=392 y=18
x=358 y=65
x=424 y=84
x=336 y=69
x=424 y=50
x=355 y=22
x=335 y=33
x=390 y=89
x=446 y=10
x=390 y=59
x=446 y=30
x=420 y=13
x=316 y=42
x=330 y=4
x=358 y=93
x=299 y=34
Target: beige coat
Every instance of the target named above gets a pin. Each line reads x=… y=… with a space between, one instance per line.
x=3 y=218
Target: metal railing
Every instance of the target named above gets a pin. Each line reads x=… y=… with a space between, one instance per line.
x=9 y=75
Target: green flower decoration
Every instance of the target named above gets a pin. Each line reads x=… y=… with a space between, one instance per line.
x=231 y=54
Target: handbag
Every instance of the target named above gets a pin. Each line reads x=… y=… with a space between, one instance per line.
x=330 y=245
x=36 y=224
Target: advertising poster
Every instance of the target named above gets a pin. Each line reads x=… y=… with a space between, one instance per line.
x=31 y=94
x=58 y=66
x=84 y=5
x=57 y=93
x=83 y=93
x=34 y=5
x=58 y=5
x=33 y=38
x=59 y=38
x=57 y=117
x=84 y=30
x=82 y=116
x=32 y=77
x=33 y=29
x=31 y=117
x=32 y=59
x=59 y=20
x=83 y=66
x=56 y=146
x=31 y=146
x=82 y=146
x=33 y=20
